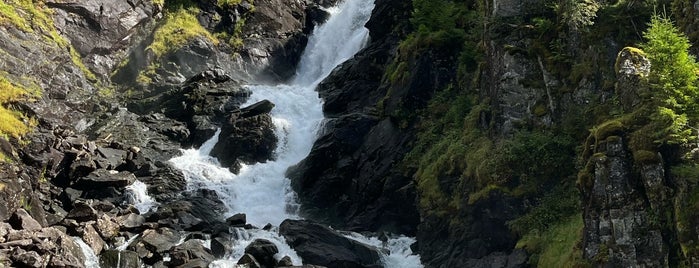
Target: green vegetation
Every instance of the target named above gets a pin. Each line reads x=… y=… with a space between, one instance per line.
x=673 y=81
x=33 y=16
x=13 y=123
x=558 y=246
x=178 y=28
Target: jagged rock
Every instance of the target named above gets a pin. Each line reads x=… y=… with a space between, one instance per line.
x=246 y=139
x=190 y=251
x=82 y=211
x=319 y=245
x=249 y=261
x=101 y=28
x=195 y=211
x=221 y=245
x=110 y=158
x=105 y=178
x=237 y=220
x=4 y=230
x=131 y=221
x=285 y=261
x=93 y=239
x=107 y=227
x=631 y=67
x=27 y=259
x=263 y=251
x=616 y=212
x=119 y=259
x=160 y=240
x=166 y=184
x=22 y=221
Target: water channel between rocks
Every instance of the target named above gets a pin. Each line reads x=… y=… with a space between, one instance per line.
x=262 y=191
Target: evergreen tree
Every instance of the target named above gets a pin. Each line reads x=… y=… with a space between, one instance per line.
x=673 y=80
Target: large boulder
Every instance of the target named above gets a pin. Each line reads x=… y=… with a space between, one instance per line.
x=247 y=137
x=317 y=244
x=189 y=252
x=263 y=250
x=119 y=259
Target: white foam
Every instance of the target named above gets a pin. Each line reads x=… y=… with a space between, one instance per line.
x=137 y=195
x=91 y=260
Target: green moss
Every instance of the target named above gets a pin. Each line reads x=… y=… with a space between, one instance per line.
x=635 y=53
x=177 y=29
x=13 y=123
x=642 y=157
x=557 y=247
x=540 y=110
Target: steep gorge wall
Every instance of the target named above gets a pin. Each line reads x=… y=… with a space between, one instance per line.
x=494 y=101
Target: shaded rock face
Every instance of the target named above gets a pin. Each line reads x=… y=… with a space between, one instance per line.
x=247 y=137
x=349 y=178
x=317 y=244
x=101 y=30
x=619 y=228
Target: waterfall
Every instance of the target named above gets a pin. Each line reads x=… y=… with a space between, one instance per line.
x=137 y=195
x=262 y=191
x=91 y=259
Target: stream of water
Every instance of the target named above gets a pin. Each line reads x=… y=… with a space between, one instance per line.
x=262 y=191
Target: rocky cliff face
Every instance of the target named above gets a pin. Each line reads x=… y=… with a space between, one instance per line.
x=110 y=105
x=463 y=123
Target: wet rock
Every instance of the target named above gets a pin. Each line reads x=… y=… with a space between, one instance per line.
x=93 y=239
x=237 y=220
x=285 y=261
x=21 y=220
x=63 y=250
x=119 y=259
x=104 y=179
x=319 y=245
x=221 y=245
x=263 y=251
x=166 y=184
x=246 y=139
x=190 y=251
x=249 y=261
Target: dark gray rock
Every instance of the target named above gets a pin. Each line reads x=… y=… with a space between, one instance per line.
x=221 y=245
x=617 y=211
x=82 y=211
x=248 y=139
x=105 y=178
x=119 y=259
x=263 y=251
x=237 y=220
x=319 y=245
x=249 y=261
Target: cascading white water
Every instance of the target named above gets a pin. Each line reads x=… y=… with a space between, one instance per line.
x=262 y=191
x=137 y=195
x=91 y=260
